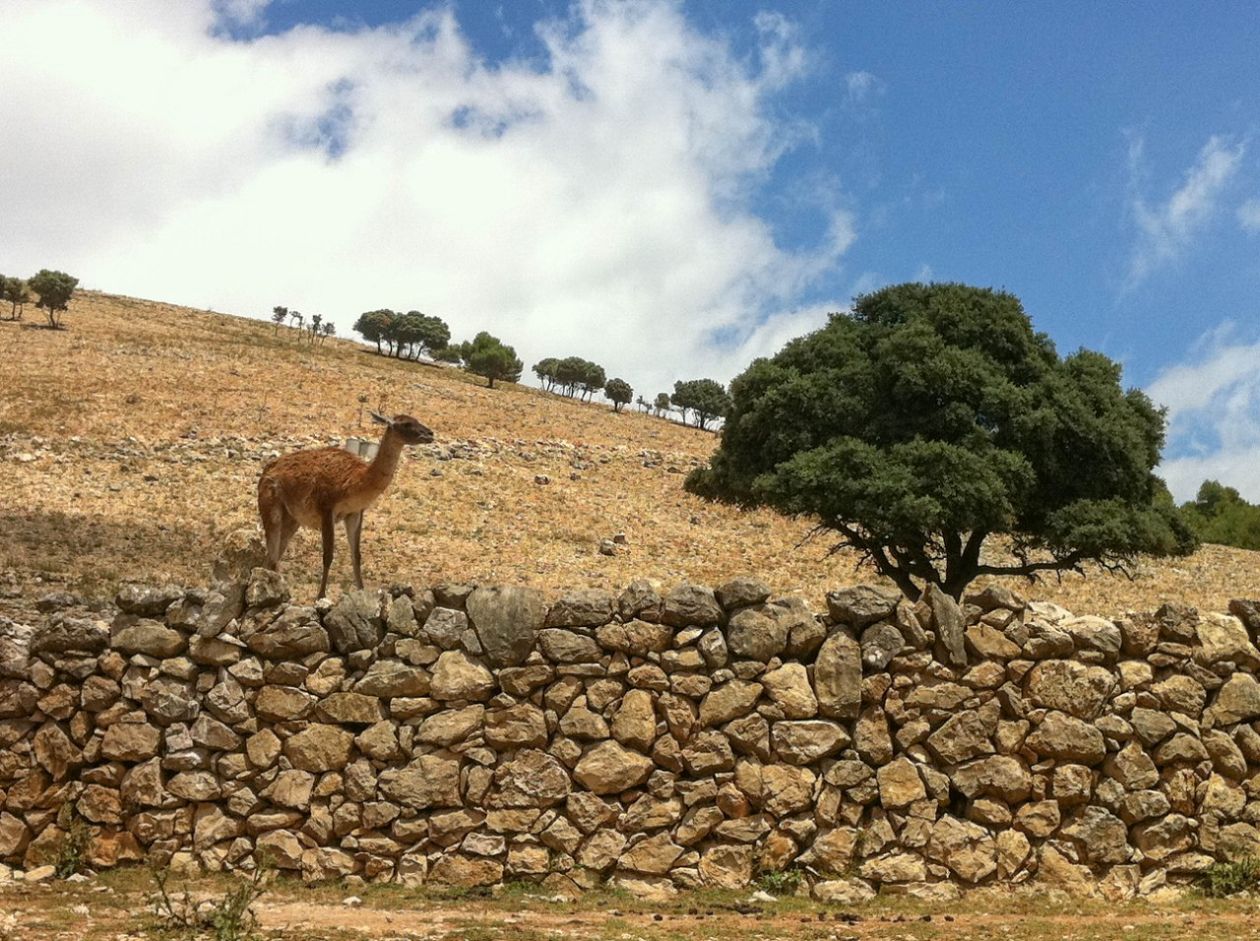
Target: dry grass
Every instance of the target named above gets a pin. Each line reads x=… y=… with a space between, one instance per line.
x=114 y=906
x=149 y=424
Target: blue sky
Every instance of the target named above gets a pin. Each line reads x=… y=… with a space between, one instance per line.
x=1098 y=160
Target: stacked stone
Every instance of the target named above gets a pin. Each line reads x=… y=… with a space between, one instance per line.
x=470 y=735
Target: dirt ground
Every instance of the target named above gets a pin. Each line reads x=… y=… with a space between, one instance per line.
x=115 y=907
x=131 y=443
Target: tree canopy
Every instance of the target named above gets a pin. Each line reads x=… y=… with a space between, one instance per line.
x=935 y=417
x=55 y=289
x=489 y=357
x=15 y=291
x=619 y=392
x=707 y=399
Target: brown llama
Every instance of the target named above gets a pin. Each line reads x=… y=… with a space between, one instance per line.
x=324 y=486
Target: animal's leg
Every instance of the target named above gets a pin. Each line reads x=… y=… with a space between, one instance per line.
x=272 y=511
x=354 y=529
x=326 y=530
x=288 y=526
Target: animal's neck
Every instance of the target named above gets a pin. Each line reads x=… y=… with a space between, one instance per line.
x=383 y=467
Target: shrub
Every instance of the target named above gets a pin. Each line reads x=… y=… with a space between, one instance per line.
x=1224 y=879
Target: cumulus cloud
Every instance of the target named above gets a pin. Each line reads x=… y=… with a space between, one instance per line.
x=1165 y=229
x=595 y=203
x=1213 y=403
x=1249 y=215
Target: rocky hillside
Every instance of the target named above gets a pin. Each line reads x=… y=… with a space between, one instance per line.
x=131 y=443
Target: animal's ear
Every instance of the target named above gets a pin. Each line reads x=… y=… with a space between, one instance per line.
x=380 y=419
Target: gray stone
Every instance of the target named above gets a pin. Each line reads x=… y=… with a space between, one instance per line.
x=506 y=621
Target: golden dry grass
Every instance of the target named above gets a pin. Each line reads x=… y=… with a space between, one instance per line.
x=149 y=423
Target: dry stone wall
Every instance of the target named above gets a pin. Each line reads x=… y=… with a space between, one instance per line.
x=692 y=737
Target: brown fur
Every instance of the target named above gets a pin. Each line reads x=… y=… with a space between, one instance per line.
x=326 y=486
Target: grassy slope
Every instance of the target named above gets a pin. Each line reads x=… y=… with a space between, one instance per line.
x=149 y=423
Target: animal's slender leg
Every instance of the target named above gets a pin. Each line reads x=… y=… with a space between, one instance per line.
x=288 y=526
x=272 y=511
x=354 y=529
x=326 y=530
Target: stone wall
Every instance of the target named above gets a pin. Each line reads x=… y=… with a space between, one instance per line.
x=691 y=737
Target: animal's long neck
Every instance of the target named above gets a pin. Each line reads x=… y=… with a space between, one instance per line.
x=383 y=467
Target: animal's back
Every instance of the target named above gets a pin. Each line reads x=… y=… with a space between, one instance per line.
x=309 y=481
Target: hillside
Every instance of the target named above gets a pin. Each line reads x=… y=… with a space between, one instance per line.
x=131 y=443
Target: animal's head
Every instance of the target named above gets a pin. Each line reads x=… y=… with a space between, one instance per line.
x=406 y=427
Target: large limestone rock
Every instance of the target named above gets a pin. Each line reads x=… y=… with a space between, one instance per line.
x=634 y=722
x=428 y=781
x=386 y=679
x=1065 y=738
x=62 y=635
x=789 y=688
x=1070 y=686
x=838 y=677
x=688 y=605
x=966 y=848
x=756 y=634
x=355 y=623
x=138 y=635
x=531 y=779
x=506 y=621
x=862 y=604
x=319 y=748
x=609 y=768
x=458 y=676
x=806 y=741
x=726 y=866
x=962 y=737
x=586 y=607
x=729 y=701
x=950 y=623
x=899 y=784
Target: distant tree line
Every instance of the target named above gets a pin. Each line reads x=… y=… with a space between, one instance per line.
x=414 y=336
x=1219 y=514
x=51 y=291
x=316 y=331
x=704 y=400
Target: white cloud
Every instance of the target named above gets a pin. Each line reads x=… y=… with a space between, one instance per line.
x=595 y=204
x=1249 y=215
x=1213 y=404
x=1166 y=229
x=861 y=86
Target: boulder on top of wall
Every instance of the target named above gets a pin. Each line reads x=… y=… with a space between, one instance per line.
x=354 y=622
x=242 y=551
x=15 y=652
x=640 y=600
x=506 y=621
x=1094 y=633
x=147 y=600
x=860 y=605
x=689 y=605
x=635 y=637
x=61 y=634
x=587 y=607
x=1247 y=611
x=993 y=597
x=742 y=592
x=1224 y=638
x=294 y=634
x=265 y=589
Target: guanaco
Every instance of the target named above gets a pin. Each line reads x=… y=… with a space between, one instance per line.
x=324 y=486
